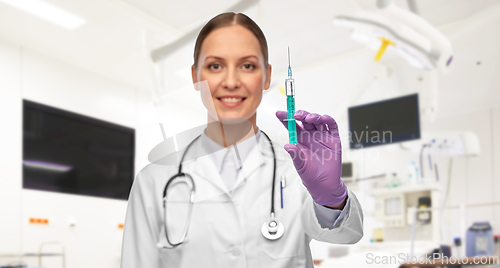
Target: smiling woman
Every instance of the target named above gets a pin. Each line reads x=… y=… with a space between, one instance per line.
x=231 y=55
x=233 y=218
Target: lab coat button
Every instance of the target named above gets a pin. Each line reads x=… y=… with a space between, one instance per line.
x=235 y=251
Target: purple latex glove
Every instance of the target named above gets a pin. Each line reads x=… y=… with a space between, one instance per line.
x=317 y=156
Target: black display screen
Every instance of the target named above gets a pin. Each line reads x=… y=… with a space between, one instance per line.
x=383 y=122
x=75 y=154
x=346 y=171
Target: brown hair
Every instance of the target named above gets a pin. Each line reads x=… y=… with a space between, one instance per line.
x=227 y=19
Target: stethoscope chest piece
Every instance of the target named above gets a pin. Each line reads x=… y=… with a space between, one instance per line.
x=272 y=229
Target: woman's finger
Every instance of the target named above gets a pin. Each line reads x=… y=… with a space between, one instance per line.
x=332 y=125
x=316 y=120
x=300 y=115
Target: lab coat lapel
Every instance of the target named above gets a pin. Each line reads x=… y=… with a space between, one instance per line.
x=253 y=163
x=260 y=157
x=204 y=168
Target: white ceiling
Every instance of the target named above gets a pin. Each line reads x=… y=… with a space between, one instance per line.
x=111 y=43
x=181 y=14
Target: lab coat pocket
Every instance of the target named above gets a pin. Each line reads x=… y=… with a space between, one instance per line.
x=280 y=249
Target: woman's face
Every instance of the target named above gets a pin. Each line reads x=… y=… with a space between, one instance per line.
x=232 y=63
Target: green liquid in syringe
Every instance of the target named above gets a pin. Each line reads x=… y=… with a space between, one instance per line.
x=292 y=127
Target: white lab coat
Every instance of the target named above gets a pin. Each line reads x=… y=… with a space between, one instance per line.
x=225 y=229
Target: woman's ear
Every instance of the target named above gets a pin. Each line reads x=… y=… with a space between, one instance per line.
x=194 y=77
x=267 y=83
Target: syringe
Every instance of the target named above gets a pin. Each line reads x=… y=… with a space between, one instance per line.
x=290 y=104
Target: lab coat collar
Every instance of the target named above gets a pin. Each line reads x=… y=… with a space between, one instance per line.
x=219 y=152
x=259 y=156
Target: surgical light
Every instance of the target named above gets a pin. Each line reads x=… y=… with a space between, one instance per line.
x=390 y=27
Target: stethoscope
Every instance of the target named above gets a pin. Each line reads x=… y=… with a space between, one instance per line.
x=271 y=229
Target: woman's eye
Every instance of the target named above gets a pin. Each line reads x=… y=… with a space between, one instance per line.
x=248 y=66
x=214 y=66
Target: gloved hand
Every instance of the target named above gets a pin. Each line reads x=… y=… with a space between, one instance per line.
x=318 y=156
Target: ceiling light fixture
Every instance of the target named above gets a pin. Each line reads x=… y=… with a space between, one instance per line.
x=48 y=12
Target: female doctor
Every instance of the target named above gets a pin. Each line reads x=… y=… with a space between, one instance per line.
x=237 y=219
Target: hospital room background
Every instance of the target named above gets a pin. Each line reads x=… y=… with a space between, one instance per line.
x=90 y=62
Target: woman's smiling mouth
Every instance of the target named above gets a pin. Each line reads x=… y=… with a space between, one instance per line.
x=231 y=101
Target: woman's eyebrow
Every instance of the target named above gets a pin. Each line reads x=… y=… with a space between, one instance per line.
x=243 y=58
x=250 y=56
x=215 y=57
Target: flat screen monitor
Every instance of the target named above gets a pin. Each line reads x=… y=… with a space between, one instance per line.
x=383 y=122
x=346 y=171
x=70 y=153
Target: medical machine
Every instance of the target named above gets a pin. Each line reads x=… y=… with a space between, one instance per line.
x=383 y=122
x=271 y=229
x=479 y=240
x=391 y=209
x=349 y=171
x=451 y=143
x=423 y=203
x=396 y=208
x=70 y=153
x=290 y=104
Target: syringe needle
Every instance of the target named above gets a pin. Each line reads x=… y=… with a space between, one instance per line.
x=289 y=67
x=289 y=56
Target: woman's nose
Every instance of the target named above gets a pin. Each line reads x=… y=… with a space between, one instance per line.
x=232 y=79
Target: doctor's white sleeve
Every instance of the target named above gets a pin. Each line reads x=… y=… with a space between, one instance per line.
x=140 y=233
x=346 y=228
x=329 y=217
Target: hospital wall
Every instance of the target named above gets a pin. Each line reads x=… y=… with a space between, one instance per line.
x=95 y=240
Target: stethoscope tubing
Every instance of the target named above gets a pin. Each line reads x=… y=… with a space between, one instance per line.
x=193 y=190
